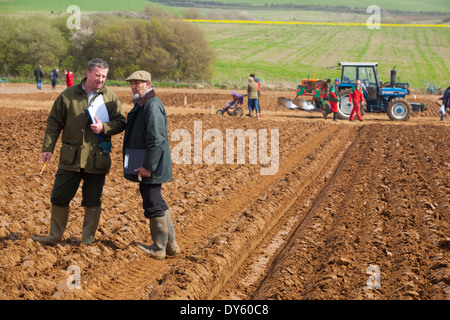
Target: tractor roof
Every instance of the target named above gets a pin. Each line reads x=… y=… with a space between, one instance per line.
x=359 y=64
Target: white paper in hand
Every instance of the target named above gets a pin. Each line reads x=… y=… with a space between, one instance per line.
x=98 y=109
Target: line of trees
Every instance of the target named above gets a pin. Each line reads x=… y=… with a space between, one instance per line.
x=168 y=48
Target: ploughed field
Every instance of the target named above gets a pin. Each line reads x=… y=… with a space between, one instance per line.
x=355 y=210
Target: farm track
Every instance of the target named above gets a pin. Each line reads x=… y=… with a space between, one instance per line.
x=346 y=197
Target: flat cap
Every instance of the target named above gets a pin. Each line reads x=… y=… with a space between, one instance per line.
x=140 y=75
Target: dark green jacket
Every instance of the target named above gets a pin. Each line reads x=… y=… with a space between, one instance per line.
x=334 y=94
x=147 y=129
x=79 y=148
x=38 y=74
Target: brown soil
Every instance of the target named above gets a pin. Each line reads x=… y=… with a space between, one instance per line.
x=346 y=197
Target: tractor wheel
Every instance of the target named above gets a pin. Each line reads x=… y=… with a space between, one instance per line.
x=399 y=110
x=344 y=110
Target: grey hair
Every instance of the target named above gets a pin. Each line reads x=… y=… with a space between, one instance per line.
x=97 y=63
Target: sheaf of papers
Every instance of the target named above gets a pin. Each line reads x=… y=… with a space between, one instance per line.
x=98 y=109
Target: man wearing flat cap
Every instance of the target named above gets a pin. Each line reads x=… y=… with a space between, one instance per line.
x=147 y=130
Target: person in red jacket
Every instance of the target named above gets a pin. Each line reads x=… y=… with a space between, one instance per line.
x=356 y=98
x=69 y=77
x=334 y=98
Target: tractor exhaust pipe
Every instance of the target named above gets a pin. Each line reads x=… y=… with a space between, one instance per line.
x=393 y=77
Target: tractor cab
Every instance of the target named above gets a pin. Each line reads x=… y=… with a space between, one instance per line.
x=367 y=73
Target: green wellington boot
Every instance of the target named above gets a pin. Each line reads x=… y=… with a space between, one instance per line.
x=172 y=248
x=159 y=233
x=90 y=224
x=58 y=223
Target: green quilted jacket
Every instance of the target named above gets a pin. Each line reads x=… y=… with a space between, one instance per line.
x=81 y=148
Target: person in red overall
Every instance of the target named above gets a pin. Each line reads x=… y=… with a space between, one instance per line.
x=356 y=98
x=334 y=98
x=69 y=77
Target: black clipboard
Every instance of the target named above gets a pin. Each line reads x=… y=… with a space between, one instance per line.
x=134 y=158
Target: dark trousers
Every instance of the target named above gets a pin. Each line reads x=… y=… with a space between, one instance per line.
x=152 y=200
x=66 y=185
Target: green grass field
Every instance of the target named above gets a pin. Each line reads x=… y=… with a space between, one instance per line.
x=288 y=53
x=33 y=6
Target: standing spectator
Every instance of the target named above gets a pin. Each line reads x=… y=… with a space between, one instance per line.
x=334 y=98
x=54 y=75
x=147 y=130
x=445 y=103
x=259 y=92
x=356 y=98
x=252 y=91
x=69 y=77
x=39 y=74
x=85 y=150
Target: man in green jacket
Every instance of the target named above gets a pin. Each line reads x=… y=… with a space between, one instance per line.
x=147 y=131
x=85 y=150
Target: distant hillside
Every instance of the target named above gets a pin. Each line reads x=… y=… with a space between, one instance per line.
x=399 y=7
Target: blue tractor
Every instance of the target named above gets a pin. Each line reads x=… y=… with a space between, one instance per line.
x=390 y=100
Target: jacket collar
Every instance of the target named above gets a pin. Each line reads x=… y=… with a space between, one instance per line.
x=150 y=94
x=81 y=90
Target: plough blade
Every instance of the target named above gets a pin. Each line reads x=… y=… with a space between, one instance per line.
x=298 y=104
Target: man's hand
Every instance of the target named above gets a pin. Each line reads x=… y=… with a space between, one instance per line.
x=97 y=127
x=143 y=172
x=46 y=156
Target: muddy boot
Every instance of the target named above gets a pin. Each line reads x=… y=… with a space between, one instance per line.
x=58 y=223
x=335 y=116
x=172 y=248
x=159 y=233
x=90 y=224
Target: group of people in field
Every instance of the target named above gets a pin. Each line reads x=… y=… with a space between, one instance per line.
x=53 y=76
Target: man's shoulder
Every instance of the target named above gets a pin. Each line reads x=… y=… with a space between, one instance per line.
x=153 y=102
x=71 y=91
x=108 y=92
x=154 y=105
